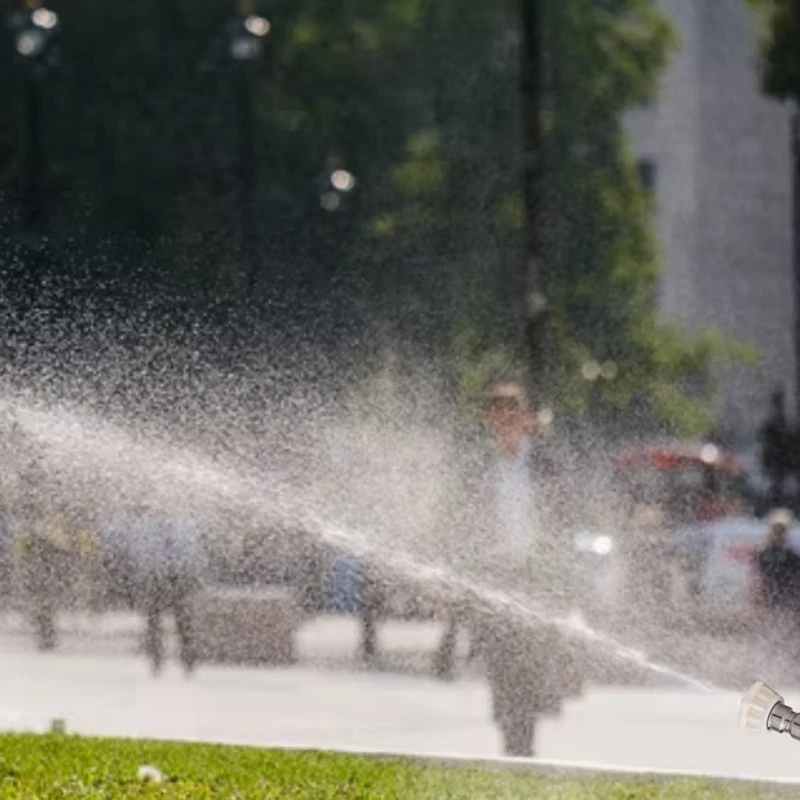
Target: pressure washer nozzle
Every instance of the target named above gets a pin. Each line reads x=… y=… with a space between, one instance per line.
x=756 y=707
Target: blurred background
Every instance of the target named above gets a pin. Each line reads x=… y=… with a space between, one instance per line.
x=343 y=180
x=304 y=237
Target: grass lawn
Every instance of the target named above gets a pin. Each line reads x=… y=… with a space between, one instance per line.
x=74 y=767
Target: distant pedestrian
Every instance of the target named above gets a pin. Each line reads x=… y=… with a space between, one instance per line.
x=778 y=568
x=778 y=441
x=171 y=564
x=117 y=585
x=456 y=617
x=372 y=600
x=515 y=543
x=49 y=565
x=6 y=561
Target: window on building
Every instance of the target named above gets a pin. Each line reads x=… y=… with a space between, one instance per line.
x=647 y=174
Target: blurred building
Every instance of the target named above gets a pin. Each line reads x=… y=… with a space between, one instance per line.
x=717 y=155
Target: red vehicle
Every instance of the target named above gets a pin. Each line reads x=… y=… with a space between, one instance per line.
x=688 y=482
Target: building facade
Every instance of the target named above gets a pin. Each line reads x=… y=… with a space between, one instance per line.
x=717 y=154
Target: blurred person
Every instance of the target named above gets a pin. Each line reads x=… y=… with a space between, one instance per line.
x=778 y=571
x=371 y=606
x=6 y=560
x=84 y=546
x=778 y=441
x=711 y=504
x=444 y=661
x=505 y=397
x=116 y=586
x=171 y=565
x=649 y=557
x=342 y=587
x=689 y=562
x=47 y=558
x=530 y=667
x=456 y=618
x=306 y=568
x=42 y=564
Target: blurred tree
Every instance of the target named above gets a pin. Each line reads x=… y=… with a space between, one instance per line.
x=780 y=77
x=419 y=101
x=780 y=47
x=149 y=138
x=452 y=212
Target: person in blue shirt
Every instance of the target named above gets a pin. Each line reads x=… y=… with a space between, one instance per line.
x=171 y=565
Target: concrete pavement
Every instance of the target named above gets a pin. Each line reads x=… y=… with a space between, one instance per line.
x=98 y=683
x=305 y=707
x=327 y=642
x=406 y=647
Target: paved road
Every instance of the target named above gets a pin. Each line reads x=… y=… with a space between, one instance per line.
x=112 y=694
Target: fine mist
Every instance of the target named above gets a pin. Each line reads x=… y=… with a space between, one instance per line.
x=373 y=471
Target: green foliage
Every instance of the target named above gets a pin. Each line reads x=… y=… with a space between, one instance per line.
x=59 y=766
x=458 y=201
x=599 y=250
x=476 y=364
x=780 y=47
x=420 y=100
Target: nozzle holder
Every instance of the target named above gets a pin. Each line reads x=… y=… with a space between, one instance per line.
x=756 y=706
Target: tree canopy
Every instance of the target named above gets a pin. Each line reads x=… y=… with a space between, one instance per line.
x=780 y=47
x=148 y=124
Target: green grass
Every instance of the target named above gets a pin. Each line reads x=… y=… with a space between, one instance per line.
x=74 y=767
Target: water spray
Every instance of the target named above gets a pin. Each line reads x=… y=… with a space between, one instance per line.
x=70 y=437
x=763 y=708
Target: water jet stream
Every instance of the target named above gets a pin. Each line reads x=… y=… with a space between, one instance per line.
x=522 y=608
